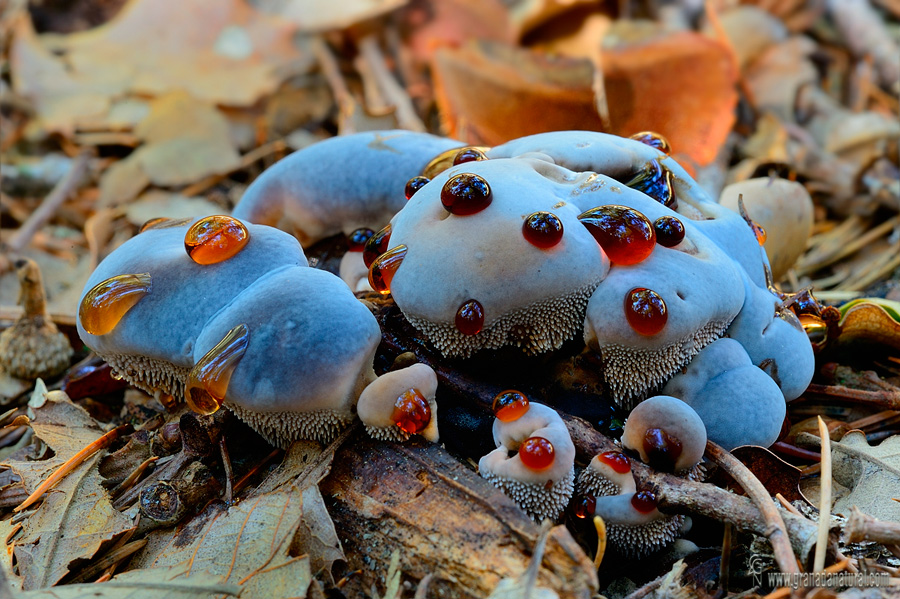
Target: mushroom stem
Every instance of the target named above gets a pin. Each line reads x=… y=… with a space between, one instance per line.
x=31 y=289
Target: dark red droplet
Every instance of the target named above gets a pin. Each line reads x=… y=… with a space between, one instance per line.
x=654 y=140
x=584 y=506
x=376 y=245
x=537 y=453
x=466 y=194
x=468 y=155
x=382 y=271
x=662 y=449
x=509 y=405
x=645 y=311
x=470 y=318
x=542 y=229
x=625 y=234
x=644 y=501
x=655 y=180
x=356 y=241
x=411 y=412
x=414 y=185
x=616 y=460
x=669 y=231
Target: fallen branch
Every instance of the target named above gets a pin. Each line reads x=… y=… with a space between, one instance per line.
x=862 y=527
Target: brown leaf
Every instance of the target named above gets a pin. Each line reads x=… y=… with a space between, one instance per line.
x=873 y=320
x=776 y=475
x=873 y=474
x=76 y=516
x=147 y=584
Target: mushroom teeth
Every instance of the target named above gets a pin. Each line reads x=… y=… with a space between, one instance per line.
x=541 y=493
x=739 y=403
x=340 y=184
x=378 y=400
x=632 y=533
x=682 y=430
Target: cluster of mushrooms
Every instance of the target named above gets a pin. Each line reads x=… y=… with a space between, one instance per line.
x=530 y=244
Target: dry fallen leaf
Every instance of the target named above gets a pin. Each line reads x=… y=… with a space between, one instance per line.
x=76 y=516
x=152 y=583
x=322 y=15
x=872 y=320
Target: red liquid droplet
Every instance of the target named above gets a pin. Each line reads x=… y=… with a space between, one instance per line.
x=760 y=233
x=411 y=412
x=414 y=185
x=376 y=245
x=625 y=234
x=585 y=506
x=644 y=501
x=215 y=239
x=645 y=311
x=509 y=405
x=356 y=241
x=655 y=181
x=108 y=301
x=654 y=140
x=669 y=231
x=208 y=381
x=466 y=194
x=616 y=460
x=537 y=453
x=468 y=155
x=542 y=229
x=382 y=271
x=470 y=318
x=662 y=449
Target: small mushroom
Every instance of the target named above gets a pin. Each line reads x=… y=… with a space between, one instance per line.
x=607 y=473
x=33 y=347
x=738 y=403
x=667 y=434
x=534 y=462
x=400 y=403
x=633 y=524
x=339 y=184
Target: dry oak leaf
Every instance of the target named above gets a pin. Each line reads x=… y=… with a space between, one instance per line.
x=873 y=474
x=247 y=544
x=872 y=320
x=145 y=584
x=323 y=15
x=76 y=515
x=220 y=51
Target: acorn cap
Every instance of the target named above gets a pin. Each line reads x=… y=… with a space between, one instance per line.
x=542 y=493
x=452 y=259
x=340 y=184
x=376 y=403
x=738 y=403
x=682 y=431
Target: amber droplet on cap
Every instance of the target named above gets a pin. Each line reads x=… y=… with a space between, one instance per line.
x=466 y=194
x=537 y=453
x=816 y=329
x=616 y=460
x=644 y=501
x=414 y=185
x=655 y=180
x=584 y=506
x=356 y=241
x=645 y=311
x=654 y=140
x=470 y=154
x=669 y=231
x=626 y=235
x=542 y=229
x=509 y=405
x=108 y=301
x=411 y=412
x=215 y=239
x=208 y=381
x=662 y=449
x=164 y=223
x=376 y=245
x=470 y=318
x=382 y=271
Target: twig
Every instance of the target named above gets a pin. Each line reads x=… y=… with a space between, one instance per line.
x=885 y=399
x=865 y=33
x=332 y=72
x=229 y=474
x=600 y=525
x=422 y=588
x=862 y=527
x=393 y=92
x=824 y=497
x=776 y=529
x=272 y=147
x=51 y=203
x=74 y=462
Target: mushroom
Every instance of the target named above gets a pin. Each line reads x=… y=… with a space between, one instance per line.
x=738 y=403
x=608 y=473
x=539 y=476
x=287 y=348
x=400 y=404
x=33 y=347
x=667 y=434
x=339 y=184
